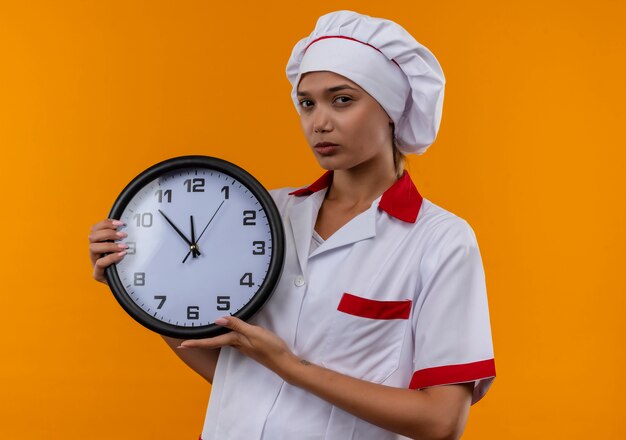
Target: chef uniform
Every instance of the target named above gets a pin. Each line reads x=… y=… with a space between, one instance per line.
x=396 y=296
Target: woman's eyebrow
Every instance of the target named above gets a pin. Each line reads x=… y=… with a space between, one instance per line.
x=330 y=90
x=341 y=87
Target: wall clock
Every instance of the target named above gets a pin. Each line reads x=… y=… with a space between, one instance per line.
x=205 y=240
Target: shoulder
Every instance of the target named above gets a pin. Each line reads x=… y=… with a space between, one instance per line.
x=448 y=239
x=443 y=228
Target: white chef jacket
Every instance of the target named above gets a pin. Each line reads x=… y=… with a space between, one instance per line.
x=396 y=296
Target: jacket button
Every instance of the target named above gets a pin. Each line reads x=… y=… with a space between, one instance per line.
x=299 y=281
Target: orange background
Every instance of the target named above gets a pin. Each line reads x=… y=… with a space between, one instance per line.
x=529 y=152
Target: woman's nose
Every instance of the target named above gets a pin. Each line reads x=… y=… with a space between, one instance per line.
x=321 y=122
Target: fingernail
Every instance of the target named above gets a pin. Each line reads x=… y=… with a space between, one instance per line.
x=121 y=254
x=182 y=346
x=117 y=222
x=122 y=245
x=121 y=234
x=221 y=321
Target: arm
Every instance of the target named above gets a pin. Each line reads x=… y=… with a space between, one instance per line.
x=434 y=413
x=101 y=241
x=437 y=413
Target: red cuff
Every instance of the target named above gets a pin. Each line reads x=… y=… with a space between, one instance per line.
x=459 y=373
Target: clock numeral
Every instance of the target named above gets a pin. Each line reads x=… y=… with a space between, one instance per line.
x=195 y=185
x=249 y=218
x=132 y=248
x=260 y=248
x=161 y=298
x=143 y=220
x=246 y=280
x=225 y=190
x=140 y=279
x=223 y=303
x=193 y=312
x=167 y=194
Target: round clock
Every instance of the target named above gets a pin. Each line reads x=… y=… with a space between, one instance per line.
x=205 y=240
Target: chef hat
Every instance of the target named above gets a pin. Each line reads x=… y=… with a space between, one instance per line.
x=385 y=61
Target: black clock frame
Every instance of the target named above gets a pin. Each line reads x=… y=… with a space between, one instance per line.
x=278 y=245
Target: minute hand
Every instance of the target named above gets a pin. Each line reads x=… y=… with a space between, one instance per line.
x=207 y=225
x=177 y=230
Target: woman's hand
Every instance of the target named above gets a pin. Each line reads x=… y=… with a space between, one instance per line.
x=436 y=413
x=255 y=342
x=99 y=243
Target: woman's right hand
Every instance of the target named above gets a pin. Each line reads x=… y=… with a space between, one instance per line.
x=98 y=244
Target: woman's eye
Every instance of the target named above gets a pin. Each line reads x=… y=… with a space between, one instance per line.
x=343 y=99
x=305 y=103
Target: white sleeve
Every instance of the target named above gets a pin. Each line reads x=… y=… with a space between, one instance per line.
x=451 y=320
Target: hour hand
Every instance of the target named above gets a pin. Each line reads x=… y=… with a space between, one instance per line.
x=194 y=247
x=191 y=245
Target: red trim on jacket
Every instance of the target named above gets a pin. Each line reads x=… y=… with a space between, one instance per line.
x=401 y=200
x=374 y=309
x=318 y=185
x=453 y=374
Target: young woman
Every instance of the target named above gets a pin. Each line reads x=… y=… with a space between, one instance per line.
x=379 y=327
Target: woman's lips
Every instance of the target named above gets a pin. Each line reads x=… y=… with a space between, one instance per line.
x=326 y=148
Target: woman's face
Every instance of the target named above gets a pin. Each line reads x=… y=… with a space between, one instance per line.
x=343 y=124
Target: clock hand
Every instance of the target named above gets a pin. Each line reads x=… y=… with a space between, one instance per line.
x=194 y=247
x=178 y=231
x=207 y=225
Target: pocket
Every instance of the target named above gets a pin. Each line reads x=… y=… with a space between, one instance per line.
x=365 y=337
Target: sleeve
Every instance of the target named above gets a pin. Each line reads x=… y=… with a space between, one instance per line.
x=451 y=320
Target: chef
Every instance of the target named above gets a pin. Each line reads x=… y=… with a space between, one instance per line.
x=379 y=326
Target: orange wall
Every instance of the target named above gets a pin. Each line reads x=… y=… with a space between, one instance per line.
x=529 y=152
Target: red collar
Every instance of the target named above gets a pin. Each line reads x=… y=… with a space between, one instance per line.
x=401 y=200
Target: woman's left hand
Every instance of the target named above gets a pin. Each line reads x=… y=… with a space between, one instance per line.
x=436 y=412
x=255 y=342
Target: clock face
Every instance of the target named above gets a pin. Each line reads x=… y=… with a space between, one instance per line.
x=202 y=243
